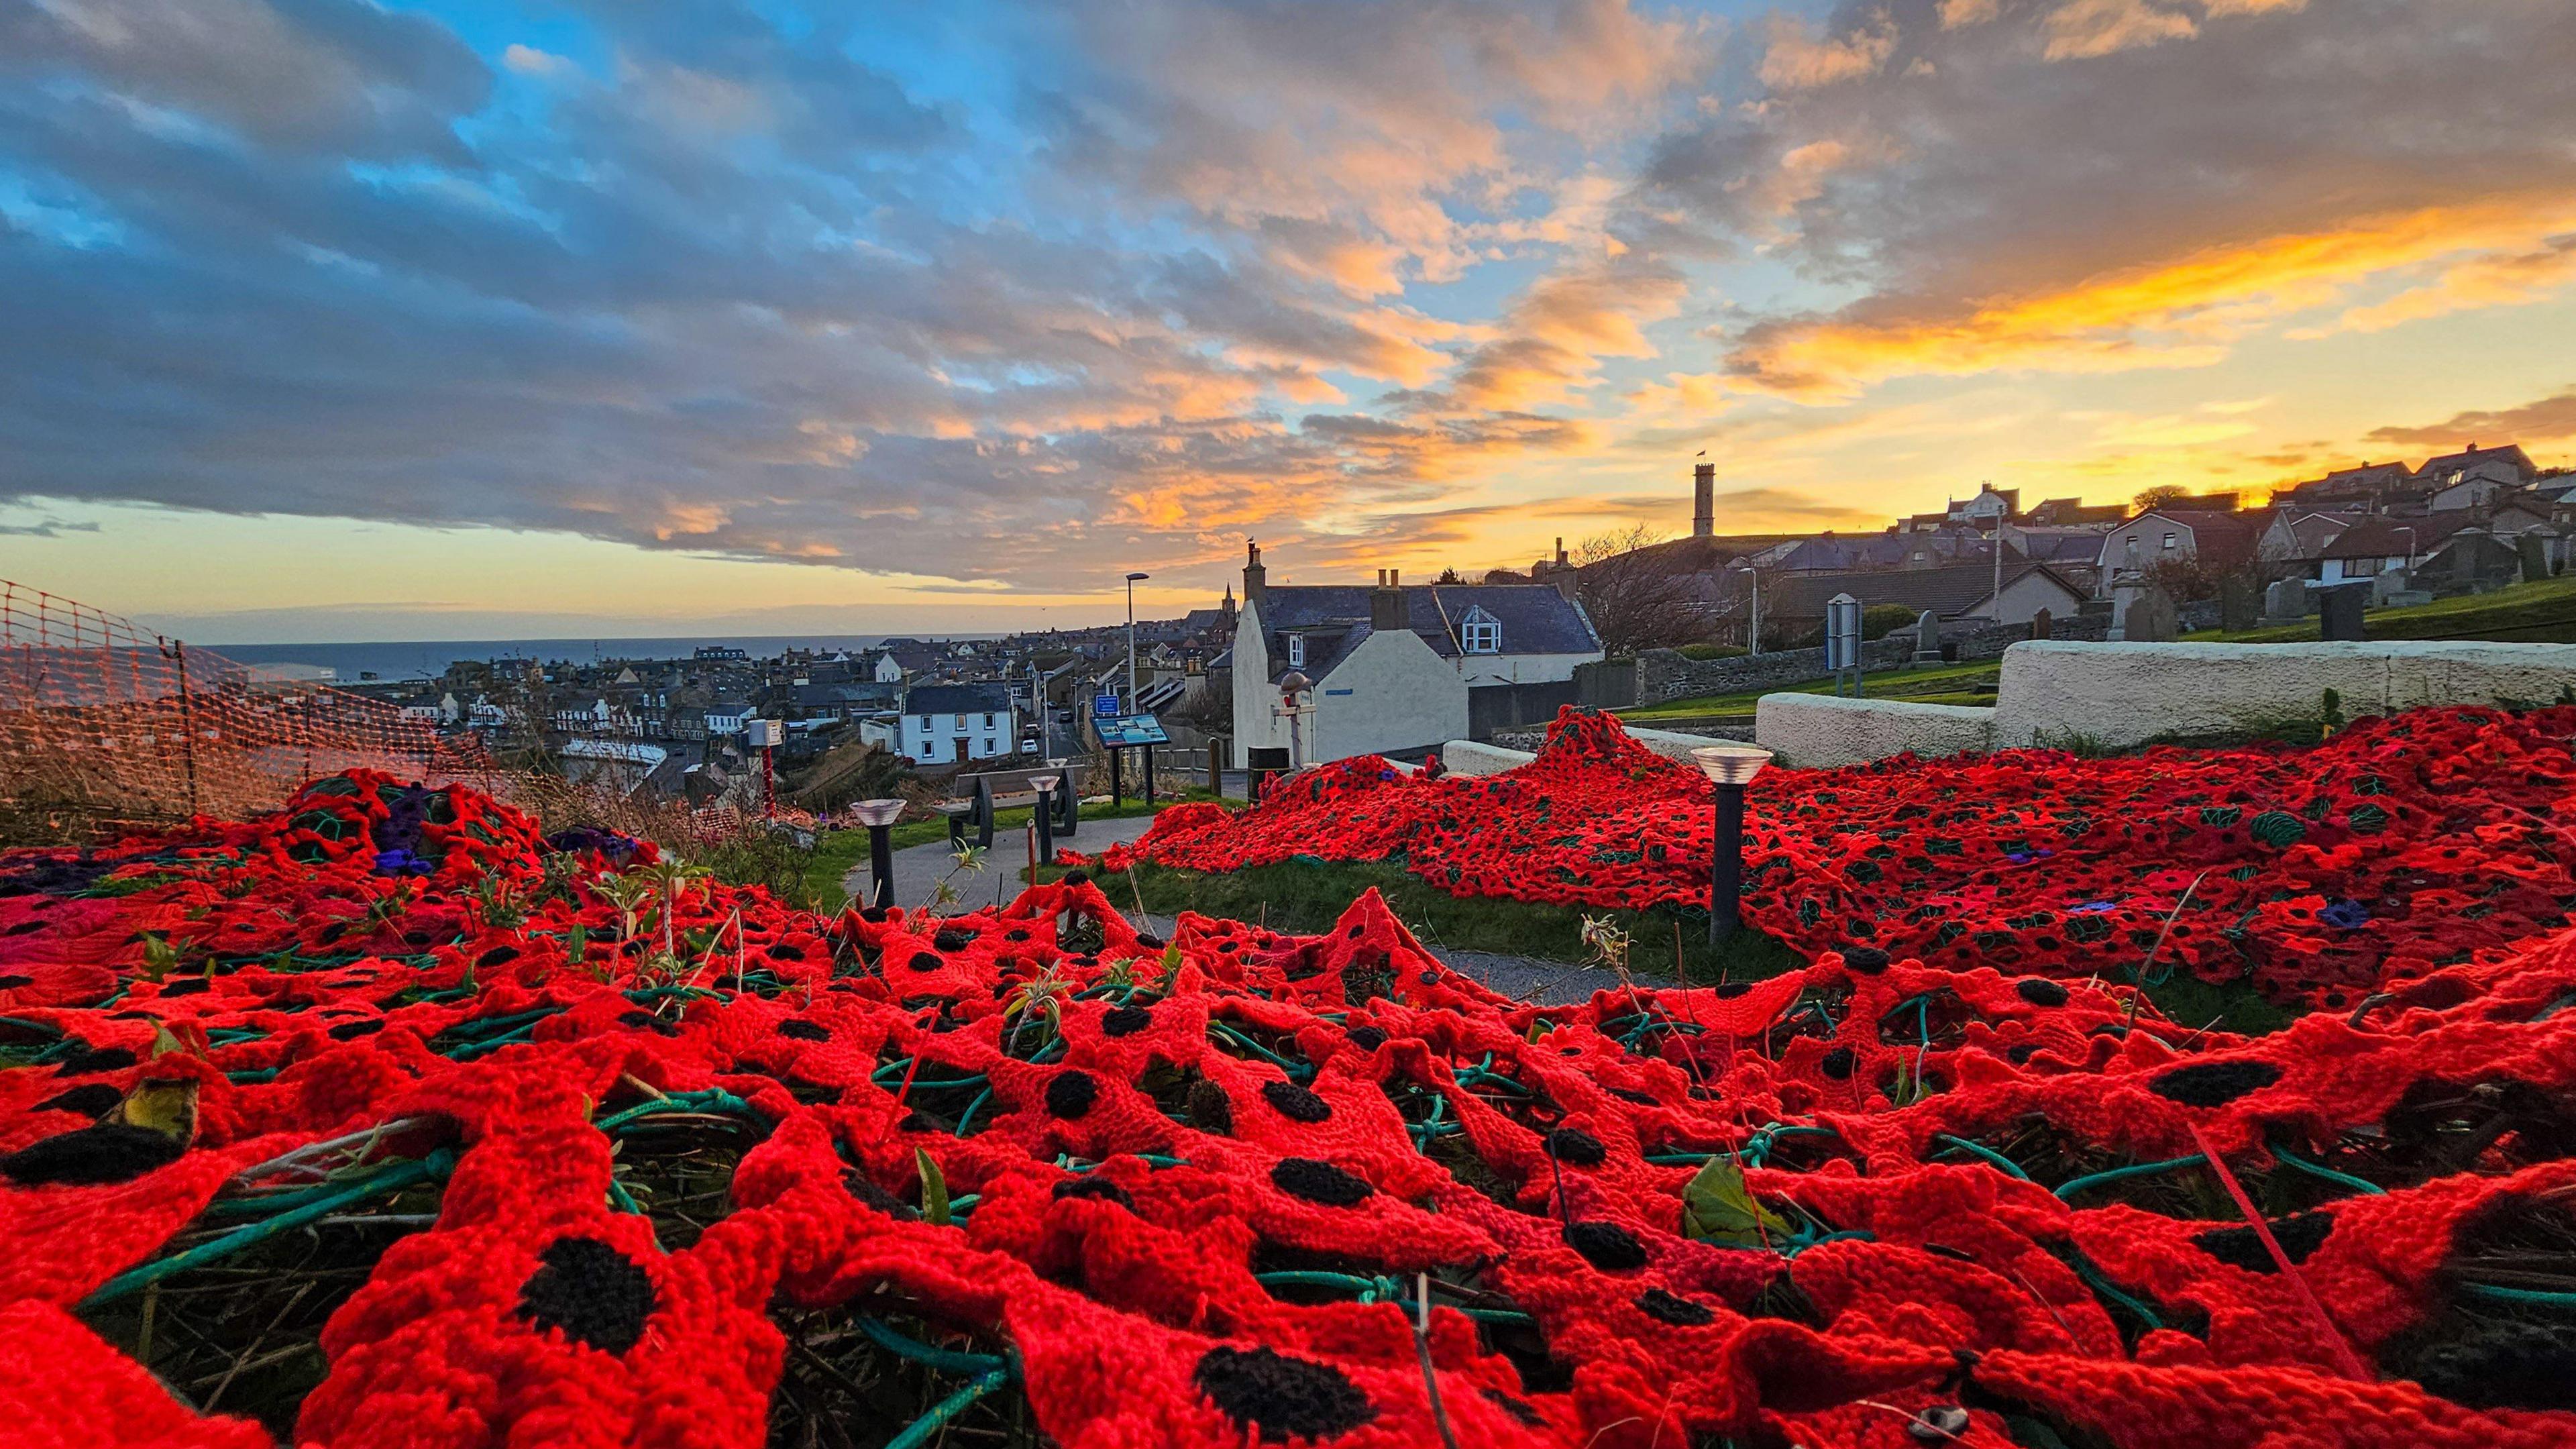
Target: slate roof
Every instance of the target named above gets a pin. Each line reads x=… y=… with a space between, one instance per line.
x=2065 y=548
x=1948 y=592
x=1536 y=619
x=2382 y=538
x=2448 y=463
x=2313 y=533
x=984 y=696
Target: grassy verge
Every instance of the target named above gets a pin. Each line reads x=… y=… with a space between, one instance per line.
x=1306 y=896
x=1938 y=683
x=2535 y=613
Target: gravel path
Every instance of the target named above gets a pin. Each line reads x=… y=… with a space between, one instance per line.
x=917 y=872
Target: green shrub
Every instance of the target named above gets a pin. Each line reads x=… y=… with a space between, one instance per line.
x=1709 y=651
x=1879 y=620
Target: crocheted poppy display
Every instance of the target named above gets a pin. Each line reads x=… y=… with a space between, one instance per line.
x=2398 y=846
x=1237 y=1186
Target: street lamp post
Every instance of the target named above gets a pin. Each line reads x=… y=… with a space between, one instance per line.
x=1132 y=581
x=1730 y=768
x=2410 y=555
x=879 y=816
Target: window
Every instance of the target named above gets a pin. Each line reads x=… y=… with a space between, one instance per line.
x=2169 y=542
x=1484 y=636
x=1296 y=651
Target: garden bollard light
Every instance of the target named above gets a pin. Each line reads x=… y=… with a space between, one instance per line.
x=1730 y=768
x=879 y=816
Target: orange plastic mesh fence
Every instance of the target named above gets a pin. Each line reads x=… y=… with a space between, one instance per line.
x=105 y=720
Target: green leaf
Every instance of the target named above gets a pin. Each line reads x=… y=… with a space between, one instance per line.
x=1718 y=1208
x=934 y=1188
x=2278 y=829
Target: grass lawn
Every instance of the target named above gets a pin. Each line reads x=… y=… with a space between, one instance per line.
x=1932 y=683
x=1306 y=896
x=2538 y=613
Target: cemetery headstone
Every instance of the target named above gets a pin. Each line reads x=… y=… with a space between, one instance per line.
x=1927 y=638
x=2534 y=557
x=2238 y=604
x=2287 y=599
x=2041 y=625
x=2339 y=614
x=2141 y=611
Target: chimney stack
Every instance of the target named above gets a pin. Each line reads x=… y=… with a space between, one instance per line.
x=1255 y=577
x=1387 y=613
x=1703 y=500
x=1560 y=551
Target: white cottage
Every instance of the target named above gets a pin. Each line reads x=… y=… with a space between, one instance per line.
x=1396 y=668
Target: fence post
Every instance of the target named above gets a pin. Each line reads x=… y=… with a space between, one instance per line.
x=187 y=722
x=1216 y=767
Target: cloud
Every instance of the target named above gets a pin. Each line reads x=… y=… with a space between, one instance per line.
x=727 y=286
x=2492 y=279
x=49 y=528
x=328 y=77
x=1554 y=338
x=528 y=60
x=2219 y=171
x=2083 y=29
x=703 y=278
x=2548 y=417
x=2179 y=314
x=1798 y=60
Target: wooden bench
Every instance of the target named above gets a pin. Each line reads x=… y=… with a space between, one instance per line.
x=973 y=814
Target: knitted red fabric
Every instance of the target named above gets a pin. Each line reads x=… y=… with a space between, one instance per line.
x=1205 y=1173
x=2398 y=846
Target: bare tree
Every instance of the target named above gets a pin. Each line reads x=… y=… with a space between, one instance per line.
x=2163 y=495
x=1639 y=597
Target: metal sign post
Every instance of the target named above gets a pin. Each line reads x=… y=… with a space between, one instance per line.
x=1842 y=641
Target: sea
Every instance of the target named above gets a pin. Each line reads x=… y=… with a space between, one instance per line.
x=427 y=659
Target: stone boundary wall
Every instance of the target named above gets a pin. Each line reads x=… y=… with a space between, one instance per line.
x=1474 y=757
x=2121 y=694
x=1664 y=674
x=1820 y=731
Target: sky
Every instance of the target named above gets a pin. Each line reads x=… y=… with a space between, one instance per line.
x=325 y=319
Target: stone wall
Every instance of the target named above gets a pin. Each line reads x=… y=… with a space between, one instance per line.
x=1821 y=731
x=1474 y=757
x=1665 y=675
x=2121 y=694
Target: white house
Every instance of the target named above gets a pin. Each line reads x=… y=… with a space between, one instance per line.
x=887 y=670
x=948 y=724
x=2175 y=535
x=728 y=718
x=1392 y=667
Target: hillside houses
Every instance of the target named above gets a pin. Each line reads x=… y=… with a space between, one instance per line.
x=2461 y=511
